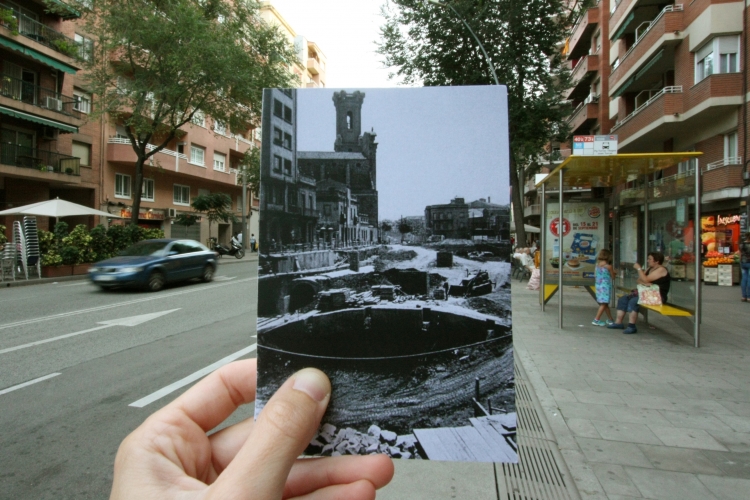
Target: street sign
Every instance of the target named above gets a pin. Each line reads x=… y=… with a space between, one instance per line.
x=595 y=145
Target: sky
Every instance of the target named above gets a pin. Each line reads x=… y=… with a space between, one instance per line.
x=434 y=143
x=346 y=32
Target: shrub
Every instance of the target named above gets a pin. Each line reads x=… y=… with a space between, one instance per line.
x=101 y=244
x=51 y=258
x=47 y=244
x=61 y=231
x=70 y=255
x=80 y=239
x=117 y=235
x=133 y=234
x=3 y=239
x=153 y=234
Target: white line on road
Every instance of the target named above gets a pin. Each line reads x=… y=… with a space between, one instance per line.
x=87 y=282
x=32 y=344
x=150 y=298
x=26 y=384
x=224 y=278
x=192 y=377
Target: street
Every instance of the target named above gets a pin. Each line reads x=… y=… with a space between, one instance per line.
x=81 y=368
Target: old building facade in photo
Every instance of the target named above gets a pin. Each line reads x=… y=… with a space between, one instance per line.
x=450 y=220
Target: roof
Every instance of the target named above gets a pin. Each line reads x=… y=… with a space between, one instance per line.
x=607 y=171
x=328 y=155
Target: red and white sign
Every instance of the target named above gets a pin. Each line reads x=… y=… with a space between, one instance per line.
x=554 y=227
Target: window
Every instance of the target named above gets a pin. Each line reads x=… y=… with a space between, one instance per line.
x=277 y=164
x=727 y=48
x=288 y=141
x=220 y=162
x=181 y=195
x=730 y=146
x=287 y=114
x=147 y=191
x=277 y=136
x=122 y=186
x=287 y=166
x=85 y=47
x=278 y=108
x=257 y=134
x=220 y=128
x=82 y=151
x=327 y=209
x=82 y=101
x=197 y=155
x=615 y=63
x=198 y=118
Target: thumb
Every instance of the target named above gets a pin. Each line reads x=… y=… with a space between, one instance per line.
x=283 y=430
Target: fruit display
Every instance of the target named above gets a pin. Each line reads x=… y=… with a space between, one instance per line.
x=714 y=254
x=715 y=261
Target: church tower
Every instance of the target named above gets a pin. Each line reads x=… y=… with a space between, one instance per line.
x=348 y=121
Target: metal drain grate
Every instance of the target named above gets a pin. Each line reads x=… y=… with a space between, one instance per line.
x=540 y=472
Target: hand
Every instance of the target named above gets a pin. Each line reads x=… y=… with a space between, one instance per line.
x=637 y=267
x=171 y=456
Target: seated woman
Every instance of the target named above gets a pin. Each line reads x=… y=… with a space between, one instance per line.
x=656 y=274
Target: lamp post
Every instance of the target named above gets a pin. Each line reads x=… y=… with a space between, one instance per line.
x=481 y=47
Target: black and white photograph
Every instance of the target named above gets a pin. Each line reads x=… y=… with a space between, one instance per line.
x=385 y=262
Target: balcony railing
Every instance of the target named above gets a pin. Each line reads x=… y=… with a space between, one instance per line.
x=307 y=180
x=33 y=29
x=733 y=160
x=35 y=95
x=646 y=27
x=39 y=159
x=532 y=210
x=150 y=147
x=666 y=90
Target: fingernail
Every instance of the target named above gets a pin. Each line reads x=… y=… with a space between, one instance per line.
x=313 y=383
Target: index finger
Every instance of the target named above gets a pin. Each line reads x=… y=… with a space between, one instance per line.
x=209 y=402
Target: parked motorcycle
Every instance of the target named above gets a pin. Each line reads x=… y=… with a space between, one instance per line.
x=236 y=250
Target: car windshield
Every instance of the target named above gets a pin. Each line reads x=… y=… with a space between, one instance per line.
x=145 y=248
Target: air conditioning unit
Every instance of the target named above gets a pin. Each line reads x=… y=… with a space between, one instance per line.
x=172 y=213
x=52 y=103
x=49 y=133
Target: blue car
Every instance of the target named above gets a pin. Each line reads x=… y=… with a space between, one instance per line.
x=151 y=264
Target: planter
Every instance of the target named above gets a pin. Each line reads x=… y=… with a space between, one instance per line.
x=79 y=269
x=56 y=271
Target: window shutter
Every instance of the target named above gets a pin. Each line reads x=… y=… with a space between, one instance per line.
x=729 y=44
x=704 y=51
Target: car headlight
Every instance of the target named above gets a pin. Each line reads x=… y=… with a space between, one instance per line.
x=131 y=269
x=93 y=269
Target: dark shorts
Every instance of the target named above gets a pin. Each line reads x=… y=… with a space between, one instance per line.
x=627 y=303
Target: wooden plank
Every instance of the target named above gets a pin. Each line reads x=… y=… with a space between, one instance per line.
x=501 y=450
x=458 y=444
x=507 y=420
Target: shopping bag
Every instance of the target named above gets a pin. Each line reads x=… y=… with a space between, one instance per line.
x=649 y=295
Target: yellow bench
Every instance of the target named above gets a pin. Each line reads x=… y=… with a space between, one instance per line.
x=681 y=317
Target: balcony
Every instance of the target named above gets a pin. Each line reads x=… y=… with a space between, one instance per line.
x=532 y=210
x=651 y=53
x=43 y=34
x=584 y=115
x=313 y=66
x=724 y=174
x=581 y=76
x=530 y=187
x=579 y=42
x=652 y=116
x=47 y=163
x=310 y=181
x=34 y=96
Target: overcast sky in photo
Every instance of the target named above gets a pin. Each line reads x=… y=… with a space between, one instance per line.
x=346 y=32
x=434 y=143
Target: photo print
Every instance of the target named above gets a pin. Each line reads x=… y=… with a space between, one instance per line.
x=385 y=262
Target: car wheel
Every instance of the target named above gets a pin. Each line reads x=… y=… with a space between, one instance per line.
x=240 y=253
x=156 y=281
x=208 y=273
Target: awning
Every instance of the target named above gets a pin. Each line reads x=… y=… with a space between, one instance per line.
x=624 y=87
x=38 y=119
x=38 y=56
x=649 y=64
x=66 y=11
x=623 y=26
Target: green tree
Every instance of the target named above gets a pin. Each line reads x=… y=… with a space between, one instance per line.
x=426 y=43
x=158 y=64
x=216 y=206
x=250 y=168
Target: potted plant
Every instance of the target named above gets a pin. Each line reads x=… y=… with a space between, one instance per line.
x=69 y=171
x=8 y=19
x=66 y=47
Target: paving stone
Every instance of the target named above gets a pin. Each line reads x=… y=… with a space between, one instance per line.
x=638 y=415
x=737 y=408
x=615 y=480
x=679 y=459
x=611 y=376
x=612 y=452
x=625 y=431
x=645 y=401
x=736 y=422
x=732 y=463
x=615 y=386
x=726 y=488
x=562 y=395
x=686 y=438
x=598 y=398
x=695 y=420
x=667 y=485
x=632 y=368
x=569 y=384
x=698 y=406
x=583 y=428
x=581 y=410
x=695 y=392
x=734 y=441
x=656 y=389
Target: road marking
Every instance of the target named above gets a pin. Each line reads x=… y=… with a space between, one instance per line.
x=131 y=321
x=30 y=382
x=224 y=278
x=191 y=378
x=120 y=304
x=75 y=284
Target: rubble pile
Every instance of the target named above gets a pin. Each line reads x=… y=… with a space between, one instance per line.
x=334 y=442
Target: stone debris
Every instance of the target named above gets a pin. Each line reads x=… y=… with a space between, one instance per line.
x=347 y=441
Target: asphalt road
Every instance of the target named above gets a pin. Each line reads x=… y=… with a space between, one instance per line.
x=59 y=435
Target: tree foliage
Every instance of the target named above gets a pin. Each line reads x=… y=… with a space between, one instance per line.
x=216 y=206
x=427 y=43
x=250 y=168
x=157 y=63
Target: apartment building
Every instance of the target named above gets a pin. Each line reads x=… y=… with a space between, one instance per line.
x=43 y=151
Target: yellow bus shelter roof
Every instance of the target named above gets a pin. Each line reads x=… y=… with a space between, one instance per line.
x=607 y=171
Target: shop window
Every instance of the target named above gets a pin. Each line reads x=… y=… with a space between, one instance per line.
x=122 y=186
x=147 y=190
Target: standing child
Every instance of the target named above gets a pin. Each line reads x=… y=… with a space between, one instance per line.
x=605 y=274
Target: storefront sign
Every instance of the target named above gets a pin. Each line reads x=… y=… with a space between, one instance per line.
x=143 y=214
x=720 y=233
x=584 y=235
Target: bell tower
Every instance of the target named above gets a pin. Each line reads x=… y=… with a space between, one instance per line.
x=348 y=121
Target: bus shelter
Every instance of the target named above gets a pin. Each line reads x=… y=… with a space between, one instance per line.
x=646 y=202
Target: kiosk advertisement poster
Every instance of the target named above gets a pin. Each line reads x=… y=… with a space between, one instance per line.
x=583 y=227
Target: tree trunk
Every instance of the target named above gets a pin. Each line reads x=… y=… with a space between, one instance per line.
x=136 y=189
x=517 y=196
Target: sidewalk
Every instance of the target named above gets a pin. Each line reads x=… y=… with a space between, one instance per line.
x=645 y=415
